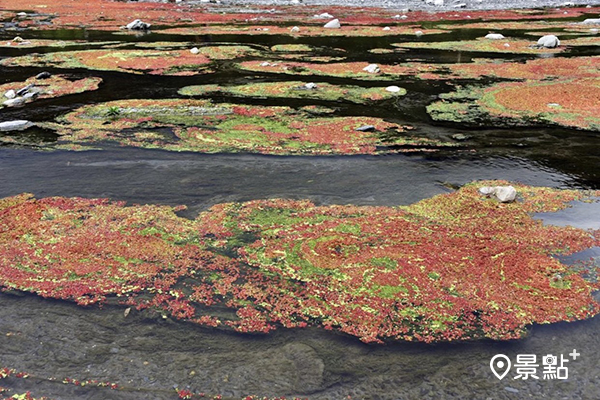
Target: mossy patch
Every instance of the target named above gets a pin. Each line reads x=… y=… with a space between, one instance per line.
x=155 y=62
x=54 y=86
x=516 y=46
x=452 y=267
x=299 y=90
x=196 y=125
x=571 y=103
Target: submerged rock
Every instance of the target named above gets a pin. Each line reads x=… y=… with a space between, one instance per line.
x=10 y=94
x=16 y=125
x=548 y=41
x=333 y=24
x=365 y=128
x=194 y=50
x=591 y=21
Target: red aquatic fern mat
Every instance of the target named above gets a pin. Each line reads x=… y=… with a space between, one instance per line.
x=456 y=266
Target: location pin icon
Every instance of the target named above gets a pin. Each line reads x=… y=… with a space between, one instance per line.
x=498 y=364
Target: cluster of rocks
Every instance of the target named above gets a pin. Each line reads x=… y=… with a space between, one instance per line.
x=25 y=94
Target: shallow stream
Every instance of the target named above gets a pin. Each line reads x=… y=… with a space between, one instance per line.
x=148 y=356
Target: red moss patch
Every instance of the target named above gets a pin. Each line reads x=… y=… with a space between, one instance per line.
x=55 y=86
x=195 y=125
x=155 y=62
x=452 y=267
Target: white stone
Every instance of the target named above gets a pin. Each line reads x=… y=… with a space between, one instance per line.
x=506 y=45
x=265 y=64
x=372 y=68
x=194 y=50
x=10 y=94
x=505 y=194
x=591 y=21
x=333 y=24
x=310 y=85
x=419 y=33
x=137 y=25
x=295 y=29
x=393 y=89
x=324 y=16
x=495 y=36
x=17 y=101
x=548 y=41
x=16 y=125
x=18 y=39
x=487 y=190
x=387 y=28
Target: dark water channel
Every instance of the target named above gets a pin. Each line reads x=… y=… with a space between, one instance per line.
x=149 y=356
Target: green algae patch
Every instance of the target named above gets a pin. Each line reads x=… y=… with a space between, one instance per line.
x=452 y=267
x=32 y=43
x=286 y=48
x=355 y=70
x=570 y=103
x=54 y=86
x=154 y=62
x=197 y=125
x=508 y=45
x=298 y=90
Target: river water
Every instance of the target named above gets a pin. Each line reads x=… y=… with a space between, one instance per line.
x=148 y=356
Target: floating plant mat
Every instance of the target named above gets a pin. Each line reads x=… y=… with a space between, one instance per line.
x=297 y=89
x=452 y=267
x=24 y=42
x=346 y=69
x=54 y=86
x=154 y=62
x=508 y=45
x=553 y=68
x=197 y=125
x=570 y=103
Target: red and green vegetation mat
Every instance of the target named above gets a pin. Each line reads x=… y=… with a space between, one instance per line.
x=154 y=62
x=305 y=30
x=54 y=86
x=110 y=15
x=345 y=69
x=199 y=125
x=508 y=45
x=297 y=89
x=30 y=43
x=570 y=103
x=457 y=266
